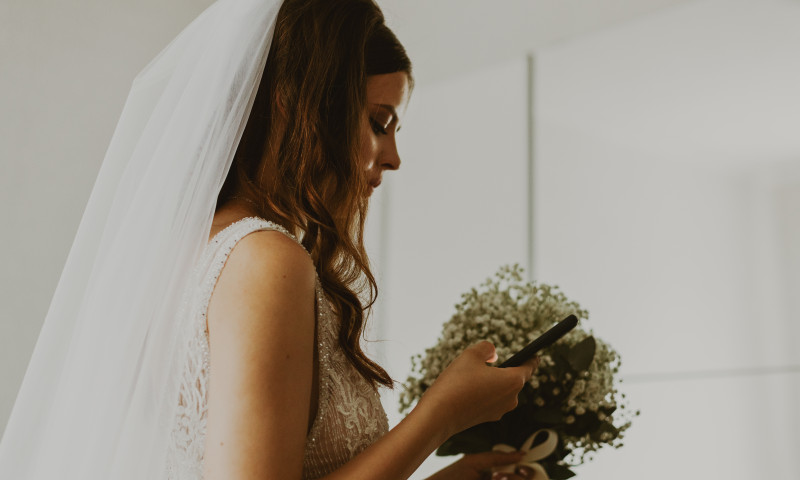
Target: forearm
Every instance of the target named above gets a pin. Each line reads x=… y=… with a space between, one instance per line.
x=398 y=453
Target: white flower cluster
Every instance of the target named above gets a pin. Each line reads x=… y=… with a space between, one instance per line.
x=510 y=313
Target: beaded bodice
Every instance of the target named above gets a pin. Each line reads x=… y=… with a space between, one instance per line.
x=349 y=413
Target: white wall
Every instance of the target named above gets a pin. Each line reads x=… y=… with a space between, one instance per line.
x=683 y=270
x=683 y=249
x=667 y=200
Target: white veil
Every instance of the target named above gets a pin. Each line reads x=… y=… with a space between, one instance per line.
x=100 y=392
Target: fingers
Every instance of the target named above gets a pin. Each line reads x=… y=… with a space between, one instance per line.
x=532 y=364
x=485 y=350
x=520 y=473
x=526 y=369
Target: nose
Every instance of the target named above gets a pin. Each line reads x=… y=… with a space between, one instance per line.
x=391 y=159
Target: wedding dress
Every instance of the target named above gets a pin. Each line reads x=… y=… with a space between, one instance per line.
x=349 y=415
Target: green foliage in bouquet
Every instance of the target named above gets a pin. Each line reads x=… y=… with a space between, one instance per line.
x=572 y=393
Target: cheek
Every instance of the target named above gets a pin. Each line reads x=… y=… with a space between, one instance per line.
x=369 y=150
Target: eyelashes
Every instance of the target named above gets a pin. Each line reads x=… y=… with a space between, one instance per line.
x=378 y=128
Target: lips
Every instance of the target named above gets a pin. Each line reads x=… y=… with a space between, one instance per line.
x=373 y=184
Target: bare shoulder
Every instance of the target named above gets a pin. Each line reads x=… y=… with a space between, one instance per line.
x=267 y=275
x=267 y=253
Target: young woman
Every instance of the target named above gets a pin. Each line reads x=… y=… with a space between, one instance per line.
x=321 y=135
x=265 y=377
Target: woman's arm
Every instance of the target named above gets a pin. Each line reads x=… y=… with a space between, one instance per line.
x=261 y=331
x=467 y=392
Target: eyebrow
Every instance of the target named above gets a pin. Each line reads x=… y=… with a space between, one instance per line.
x=393 y=112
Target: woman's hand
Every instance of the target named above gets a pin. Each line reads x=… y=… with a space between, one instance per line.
x=469 y=392
x=466 y=393
x=478 y=466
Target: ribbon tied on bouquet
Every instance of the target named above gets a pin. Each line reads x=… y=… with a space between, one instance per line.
x=532 y=455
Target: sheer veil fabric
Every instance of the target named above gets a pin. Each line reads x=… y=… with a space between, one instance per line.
x=100 y=390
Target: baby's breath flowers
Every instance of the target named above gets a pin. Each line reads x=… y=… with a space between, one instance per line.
x=574 y=391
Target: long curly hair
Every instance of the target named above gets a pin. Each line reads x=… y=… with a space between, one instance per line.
x=298 y=160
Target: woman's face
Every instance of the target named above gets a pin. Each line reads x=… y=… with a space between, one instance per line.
x=387 y=99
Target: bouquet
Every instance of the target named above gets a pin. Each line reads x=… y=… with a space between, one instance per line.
x=570 y=408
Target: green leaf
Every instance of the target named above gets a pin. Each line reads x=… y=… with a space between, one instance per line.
x=608 y=427
x=559 y=352
x=583 y=424
x=551 y=416
x=464 y=442
x=479 y=438
x=581 y=354
x=446 y=449
x=608 y=410
x=559 y=472
x=526 y=395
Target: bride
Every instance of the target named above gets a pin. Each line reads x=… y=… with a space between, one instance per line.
x=208 y=322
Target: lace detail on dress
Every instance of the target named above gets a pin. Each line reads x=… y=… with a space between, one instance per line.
x=349 y=413
x=350 y=416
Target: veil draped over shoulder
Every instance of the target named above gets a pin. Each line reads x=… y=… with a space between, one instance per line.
x=100 y=392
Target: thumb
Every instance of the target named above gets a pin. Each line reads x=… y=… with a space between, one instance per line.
x=530 y=366
x=485 y=351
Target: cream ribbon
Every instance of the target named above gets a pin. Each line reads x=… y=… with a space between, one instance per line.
x=532 y=455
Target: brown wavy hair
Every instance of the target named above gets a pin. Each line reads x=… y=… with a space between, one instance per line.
x=298 y=160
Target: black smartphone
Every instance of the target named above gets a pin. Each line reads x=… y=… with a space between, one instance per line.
x=545 y=340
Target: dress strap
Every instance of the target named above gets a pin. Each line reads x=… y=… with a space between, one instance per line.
x=220 y=246
x=242 y=227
